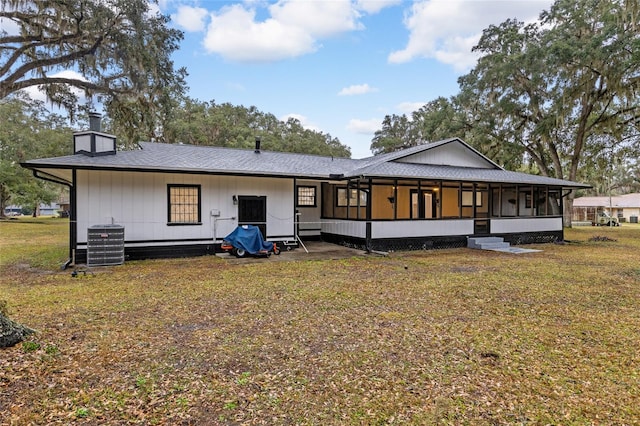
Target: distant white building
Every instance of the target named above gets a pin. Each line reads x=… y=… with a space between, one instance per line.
x=626 y=207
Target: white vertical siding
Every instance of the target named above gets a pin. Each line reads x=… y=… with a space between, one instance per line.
x=421 y=228
x=628 y=212
x=350 y=228
x=138 y=201
x=451 y=154
x=534 y=224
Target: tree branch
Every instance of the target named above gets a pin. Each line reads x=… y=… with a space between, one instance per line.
x=85 y=85
x=43 y=63
x=39 y=43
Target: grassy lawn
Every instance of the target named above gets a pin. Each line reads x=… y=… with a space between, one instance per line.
x=435 y=337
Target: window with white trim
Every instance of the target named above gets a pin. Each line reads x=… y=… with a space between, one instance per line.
x=306 y=196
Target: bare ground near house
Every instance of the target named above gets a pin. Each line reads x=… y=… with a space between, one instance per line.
x=434 y=337
x=308 y=250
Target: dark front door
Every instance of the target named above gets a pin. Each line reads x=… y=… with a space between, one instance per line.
x=252 y=210
x=482 y=225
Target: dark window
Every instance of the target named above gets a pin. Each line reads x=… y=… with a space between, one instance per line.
x=467 y=199
x=184 y=204
x=306 y=196
x=355 y=197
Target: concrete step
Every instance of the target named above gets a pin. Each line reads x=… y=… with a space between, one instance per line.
x=496 y=244
x=476 y=242
x=493 y=246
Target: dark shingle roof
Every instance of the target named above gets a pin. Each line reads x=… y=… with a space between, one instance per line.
x=217 y=160
x=190 y=158
x=438 y=172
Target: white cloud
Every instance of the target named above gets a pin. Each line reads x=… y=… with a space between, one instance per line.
x=37 y=94
x=190 y=18
x=9 y=26
x=318 y=18
x=154 y=9
x=304 y=121
x=447 y=30
x=293 y=28
x=69 y=74
x=357 y=89
x=163 y=4
x=375 y=6
x=235 y=34
x=365 y=127
x=409 y=107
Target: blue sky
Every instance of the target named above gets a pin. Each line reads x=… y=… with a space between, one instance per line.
x=339 y=66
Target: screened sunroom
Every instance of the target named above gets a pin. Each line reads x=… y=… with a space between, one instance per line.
x=428 y=213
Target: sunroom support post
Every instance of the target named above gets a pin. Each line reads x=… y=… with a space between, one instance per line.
x=440 y=199
x=460 y=188
x=395 y=199
x=368 y=214
x=348 y=198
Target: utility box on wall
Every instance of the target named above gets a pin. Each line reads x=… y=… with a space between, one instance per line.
x=105 y=245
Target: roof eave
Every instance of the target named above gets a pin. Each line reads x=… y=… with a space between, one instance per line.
x=150 y=169
x=556 y=182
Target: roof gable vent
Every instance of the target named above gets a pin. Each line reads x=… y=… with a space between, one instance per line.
x=93 y=142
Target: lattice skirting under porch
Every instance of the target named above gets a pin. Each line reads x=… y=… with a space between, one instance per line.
x=435 y=243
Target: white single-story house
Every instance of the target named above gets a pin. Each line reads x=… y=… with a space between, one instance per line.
x=625 y=207
x=181 y=200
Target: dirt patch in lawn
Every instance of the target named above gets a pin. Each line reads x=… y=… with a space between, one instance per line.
x=316 y=250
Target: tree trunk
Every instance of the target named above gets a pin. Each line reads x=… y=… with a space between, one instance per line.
x=11 y=332
x=567 y=216
x=4 y=198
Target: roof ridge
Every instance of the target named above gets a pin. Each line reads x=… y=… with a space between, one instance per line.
x=235 y=149
x=392 y=156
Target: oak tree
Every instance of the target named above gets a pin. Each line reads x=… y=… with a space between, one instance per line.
x=117 y=52
x=564 y=90
x=28 y=131
x=236 y=126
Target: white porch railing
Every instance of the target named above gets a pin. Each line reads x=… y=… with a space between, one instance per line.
x=438 y=228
